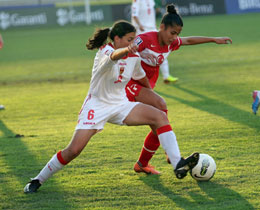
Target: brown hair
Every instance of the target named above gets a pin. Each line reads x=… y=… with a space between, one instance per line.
x=120 y=29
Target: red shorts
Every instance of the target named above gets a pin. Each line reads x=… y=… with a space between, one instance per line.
x=132 y=90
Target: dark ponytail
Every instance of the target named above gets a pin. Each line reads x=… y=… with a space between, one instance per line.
x=120 y=29
x=99 y=38
x=172 y=17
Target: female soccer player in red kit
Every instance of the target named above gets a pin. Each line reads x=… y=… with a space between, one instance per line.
x=154 y=48
x=144 y=20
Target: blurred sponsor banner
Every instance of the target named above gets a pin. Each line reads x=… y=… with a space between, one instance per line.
x=20 y=16
x=121 y=11
x=242 y=6
x=198 y=7
x=50 y=15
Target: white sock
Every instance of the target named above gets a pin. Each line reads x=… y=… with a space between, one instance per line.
x=164 y=67
x=49 y=169
x=169 y=143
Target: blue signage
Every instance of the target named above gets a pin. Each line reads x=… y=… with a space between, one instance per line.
x=242 y=6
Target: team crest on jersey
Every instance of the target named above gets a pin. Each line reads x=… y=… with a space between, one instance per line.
x=160 y=59
x=122 y=69
x=138 y=40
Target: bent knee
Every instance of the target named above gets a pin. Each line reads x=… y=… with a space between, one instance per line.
x=161 y=104
x=161 y=117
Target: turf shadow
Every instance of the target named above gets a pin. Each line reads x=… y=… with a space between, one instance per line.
x=211 y=195
x=20 y=164
x=216 y=107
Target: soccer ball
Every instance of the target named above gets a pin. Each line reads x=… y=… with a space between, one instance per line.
x=205 y=168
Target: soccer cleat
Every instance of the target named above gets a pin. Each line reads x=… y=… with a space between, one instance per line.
x=2 y=107
x=32 y=186
x=256 y=102
x=170 y=79
x=147 y=169
x=185 y=165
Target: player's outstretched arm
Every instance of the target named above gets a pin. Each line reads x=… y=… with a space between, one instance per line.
x=203 y=39
x=121 y=52
x=223 y=40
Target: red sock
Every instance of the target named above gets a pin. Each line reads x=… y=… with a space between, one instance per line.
x=151 y=144
x=60 y=158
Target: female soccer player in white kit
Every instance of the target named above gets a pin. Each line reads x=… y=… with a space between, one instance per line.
x=144 y=20
x=114 y=65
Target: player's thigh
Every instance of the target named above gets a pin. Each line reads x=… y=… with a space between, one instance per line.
x=148 y=96
x=143 y=114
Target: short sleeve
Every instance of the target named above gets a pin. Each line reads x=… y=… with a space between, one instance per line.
x=102 y=61
x=175 y=45
x=104 y=55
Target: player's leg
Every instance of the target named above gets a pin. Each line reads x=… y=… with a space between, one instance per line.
x=79 y=140
x=144 y=114
x=164 y=67
x=151 y=142
x=148 y=96
x=140 y=115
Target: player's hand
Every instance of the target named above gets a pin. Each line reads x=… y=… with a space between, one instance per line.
x=150 y=57
x=223 y=40
x=141 y=28
x=132 y=48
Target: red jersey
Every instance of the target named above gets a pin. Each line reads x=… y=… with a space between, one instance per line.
x=148 y=43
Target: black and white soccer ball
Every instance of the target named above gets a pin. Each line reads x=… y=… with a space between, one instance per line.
x=205 y=168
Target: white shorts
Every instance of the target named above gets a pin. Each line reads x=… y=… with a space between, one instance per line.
x=94 y=113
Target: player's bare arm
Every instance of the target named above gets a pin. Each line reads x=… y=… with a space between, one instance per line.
x=120 y=53
x=192 y=40
x=138 y=23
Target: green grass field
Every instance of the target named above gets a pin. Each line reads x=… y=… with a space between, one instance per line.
x=44 y=78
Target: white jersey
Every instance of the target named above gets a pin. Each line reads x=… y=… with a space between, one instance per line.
x=145 y=12
x=109 y=78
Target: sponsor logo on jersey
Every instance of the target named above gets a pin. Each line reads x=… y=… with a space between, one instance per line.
x=138 y=40
x=89 y=123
